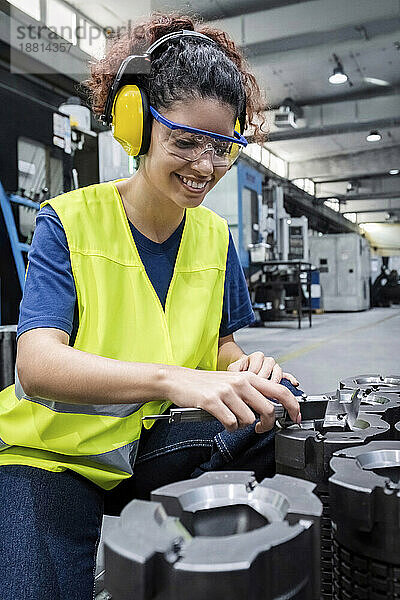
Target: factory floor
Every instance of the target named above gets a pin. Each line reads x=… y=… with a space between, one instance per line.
x=337 y=345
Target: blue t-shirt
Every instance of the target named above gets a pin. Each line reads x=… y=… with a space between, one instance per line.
x=49 y=298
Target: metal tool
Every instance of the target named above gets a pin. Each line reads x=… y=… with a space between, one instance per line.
x=322 y=409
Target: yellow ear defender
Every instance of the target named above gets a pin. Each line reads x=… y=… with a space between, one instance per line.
x=130 y=112
x=127 y=105
x=235 y=147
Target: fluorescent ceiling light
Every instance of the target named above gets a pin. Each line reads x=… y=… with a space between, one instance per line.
x=376 y=81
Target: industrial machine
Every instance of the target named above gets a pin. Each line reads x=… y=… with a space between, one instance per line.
x=281 y=285
x=238 y=199
x=217 y=536
x=290 y=235
x=385 y=290
x=281 y=290
x=343 y=261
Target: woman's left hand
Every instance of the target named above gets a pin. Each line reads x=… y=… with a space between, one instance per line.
x=265 y=366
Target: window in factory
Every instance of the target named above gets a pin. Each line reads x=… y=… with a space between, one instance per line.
x=333 y=203
x=91 y=38
x=351 y=217
x=265 y=157
x=254 y=151
x=30 y=7
x=278 y=165
x=309 y=186
x=305 y=184
x=61 y=19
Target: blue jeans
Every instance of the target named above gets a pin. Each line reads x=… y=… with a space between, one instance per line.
x=50 y=523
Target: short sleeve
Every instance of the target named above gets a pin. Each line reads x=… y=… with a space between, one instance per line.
x=237 y=311
x=49 y=294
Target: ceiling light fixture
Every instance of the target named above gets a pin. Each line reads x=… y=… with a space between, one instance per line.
x=376 y=81
x=374 y=136
x=338 y=76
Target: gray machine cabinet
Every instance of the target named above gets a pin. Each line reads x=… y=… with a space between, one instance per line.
x=343 y=260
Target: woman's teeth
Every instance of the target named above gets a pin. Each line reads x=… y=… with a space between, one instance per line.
x=194 y=184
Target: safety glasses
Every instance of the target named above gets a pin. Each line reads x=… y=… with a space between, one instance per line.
x=190 y=143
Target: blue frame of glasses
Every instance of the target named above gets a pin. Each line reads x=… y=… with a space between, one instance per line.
x=238 y=139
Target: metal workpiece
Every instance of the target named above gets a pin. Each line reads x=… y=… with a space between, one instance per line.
x=383 y=403
x=365 y=508
x=397 y=431
x=372 y=382
x=306 y=454
x=221 y=535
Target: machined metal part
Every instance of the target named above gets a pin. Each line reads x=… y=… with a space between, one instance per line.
x=365 y=509
x=383 y=403
x=222 y=535
x=100 y=592
x=397 y=431
x=342 y=410
x=305 y=453
x=8 y=353
x=372 y=382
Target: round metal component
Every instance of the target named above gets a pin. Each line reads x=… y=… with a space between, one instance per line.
x=219 y=536
x=372 y=382
x=397 y=431
x=365 y=510
x=305 y=453
x=384 y=404
x=8 y=353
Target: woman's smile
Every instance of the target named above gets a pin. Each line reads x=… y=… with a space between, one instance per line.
x=192 y=185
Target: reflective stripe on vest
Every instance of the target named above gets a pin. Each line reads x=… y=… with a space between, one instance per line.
x=120 y=317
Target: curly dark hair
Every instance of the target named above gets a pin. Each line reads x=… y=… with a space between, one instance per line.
x=186 y=68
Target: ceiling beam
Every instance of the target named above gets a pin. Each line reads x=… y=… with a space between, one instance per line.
x=369 y=196
x=368 y=93
x=371 y=210
x=309 y=132
x=368 y=177
x=352 y=164
x=309 y=39
x=326 y=20
x=212 y=10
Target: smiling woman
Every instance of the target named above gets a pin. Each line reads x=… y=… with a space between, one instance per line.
x=131 y=299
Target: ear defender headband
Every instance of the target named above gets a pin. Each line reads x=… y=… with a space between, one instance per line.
x=127 y=107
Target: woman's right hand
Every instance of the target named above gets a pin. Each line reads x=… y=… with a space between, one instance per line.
x=229 y=396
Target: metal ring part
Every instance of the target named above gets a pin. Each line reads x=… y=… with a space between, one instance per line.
x=220 y=535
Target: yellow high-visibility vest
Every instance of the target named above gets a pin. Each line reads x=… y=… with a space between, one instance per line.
x=120 y=317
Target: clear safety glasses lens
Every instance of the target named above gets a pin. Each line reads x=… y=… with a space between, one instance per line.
x=190 y=146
